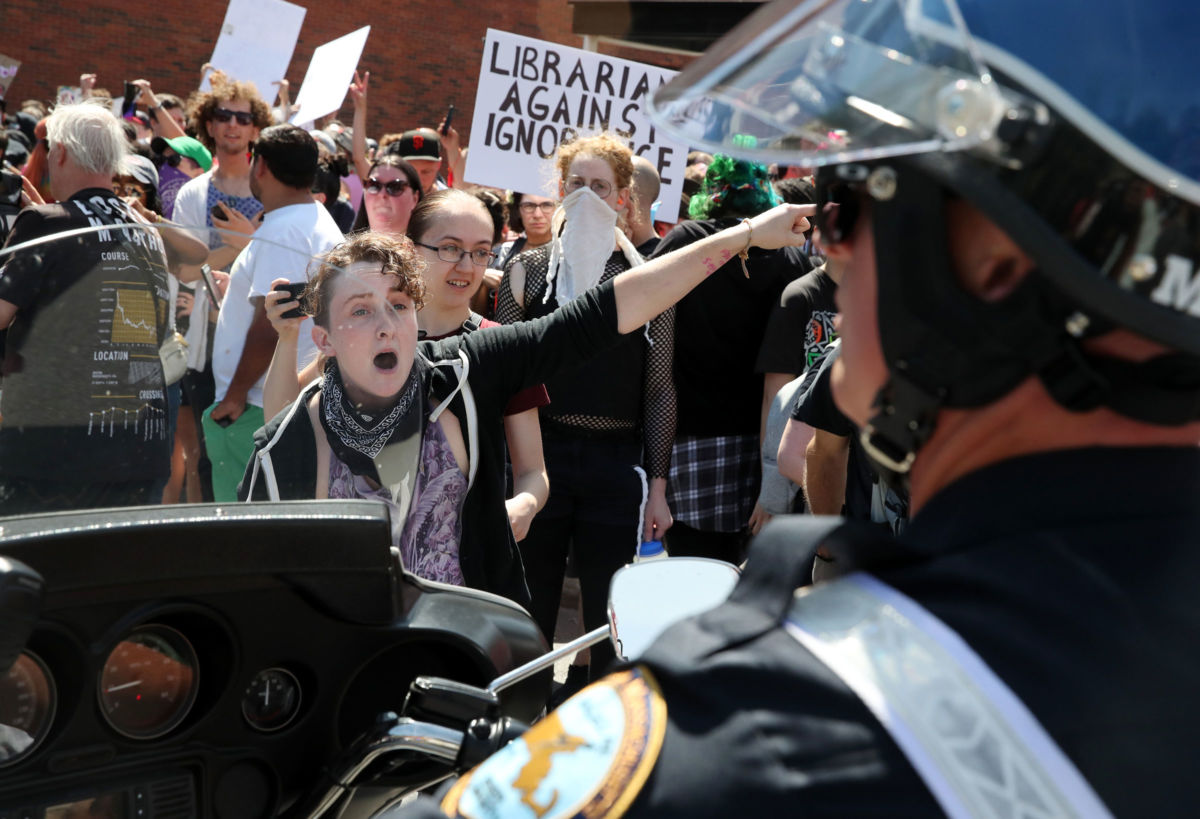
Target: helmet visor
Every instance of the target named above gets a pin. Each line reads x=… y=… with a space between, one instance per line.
x=828 y=81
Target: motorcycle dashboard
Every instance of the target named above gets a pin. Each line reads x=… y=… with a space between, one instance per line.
x=212 y=660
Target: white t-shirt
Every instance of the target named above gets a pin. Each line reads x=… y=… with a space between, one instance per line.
x=282 y=249
x=189 y=210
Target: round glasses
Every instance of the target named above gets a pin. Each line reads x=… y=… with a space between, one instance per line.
x=453 y=253
x=396 y=187
x=545 y=207
x=600 y=187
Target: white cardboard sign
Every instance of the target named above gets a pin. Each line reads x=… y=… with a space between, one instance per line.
x=533 y=95
x=256 y=43
x=329 y=74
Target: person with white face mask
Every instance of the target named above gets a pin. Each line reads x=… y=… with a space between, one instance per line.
x=608 y=430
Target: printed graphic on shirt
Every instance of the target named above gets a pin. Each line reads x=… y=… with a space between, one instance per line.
x=817 y=335
x=588 y=759
x=83 y=377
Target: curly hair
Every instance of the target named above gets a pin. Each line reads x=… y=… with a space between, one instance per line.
x=396 y=254
x=733 y=187
x=601 y=146
x=202 y=105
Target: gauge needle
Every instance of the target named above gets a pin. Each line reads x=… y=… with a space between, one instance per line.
x=266 y=696
x=125 y=685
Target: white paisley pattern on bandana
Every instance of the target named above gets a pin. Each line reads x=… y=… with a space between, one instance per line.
x=586 y=760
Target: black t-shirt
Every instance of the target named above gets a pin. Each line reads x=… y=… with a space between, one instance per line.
x=83 y=395
x=719 y=328
x=800 y=326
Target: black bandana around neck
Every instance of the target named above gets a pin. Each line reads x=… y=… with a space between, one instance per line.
x=357 y=438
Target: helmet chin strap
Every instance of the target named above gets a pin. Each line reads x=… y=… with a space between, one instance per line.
x=945 y=347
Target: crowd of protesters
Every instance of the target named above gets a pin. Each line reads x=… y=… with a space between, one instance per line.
x=695 y=428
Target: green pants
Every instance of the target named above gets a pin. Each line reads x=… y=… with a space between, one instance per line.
x=230 y=449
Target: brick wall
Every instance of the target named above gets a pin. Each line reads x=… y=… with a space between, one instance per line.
x=422 y=54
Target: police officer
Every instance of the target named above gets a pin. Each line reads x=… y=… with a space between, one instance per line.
x=1014 y=187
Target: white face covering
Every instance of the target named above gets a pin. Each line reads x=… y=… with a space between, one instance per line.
x=578 y=254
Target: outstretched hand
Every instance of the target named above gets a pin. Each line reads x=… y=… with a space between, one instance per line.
x=781 y=226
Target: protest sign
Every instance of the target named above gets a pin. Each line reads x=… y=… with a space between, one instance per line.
x=8 y=71
x=256 y=43
x=533 y=95
x=69 y=94
x=329 y=74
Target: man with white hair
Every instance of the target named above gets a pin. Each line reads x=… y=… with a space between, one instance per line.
x=84 y=407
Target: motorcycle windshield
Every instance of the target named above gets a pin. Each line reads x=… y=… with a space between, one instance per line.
x=831 y=81
x=102 y=319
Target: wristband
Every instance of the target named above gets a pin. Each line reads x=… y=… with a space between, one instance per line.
x=744 y=253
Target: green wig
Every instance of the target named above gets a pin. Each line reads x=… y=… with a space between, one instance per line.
x=733 y=187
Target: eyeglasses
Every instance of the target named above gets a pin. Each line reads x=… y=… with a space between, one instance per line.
x=242 y=117
x=545 y=207
x=599 y=187
x=123 y=189
x=394 y=188
x=454 y=254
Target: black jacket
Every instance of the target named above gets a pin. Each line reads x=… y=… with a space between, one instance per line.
x=498 y=364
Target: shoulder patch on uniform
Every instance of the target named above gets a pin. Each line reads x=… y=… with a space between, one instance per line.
x=588 y=759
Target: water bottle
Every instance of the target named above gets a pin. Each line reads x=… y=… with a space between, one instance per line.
x=650 y=550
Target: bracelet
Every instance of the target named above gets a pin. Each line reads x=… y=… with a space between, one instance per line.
x=744 y=253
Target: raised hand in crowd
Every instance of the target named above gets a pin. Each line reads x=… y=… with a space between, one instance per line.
x=86 y=83
x=286 y=109
x=163 y=126
x=456 y=159
x=358 y=94
x=237 y=222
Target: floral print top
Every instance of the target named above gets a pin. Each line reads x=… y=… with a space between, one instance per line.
x=429 y=538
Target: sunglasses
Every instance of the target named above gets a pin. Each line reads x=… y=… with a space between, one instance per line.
x=840 y=191
x=242 y=117
x=394 y=188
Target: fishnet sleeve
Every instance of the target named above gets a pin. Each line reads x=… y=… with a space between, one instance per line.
x=507 y=309
x=658 y=406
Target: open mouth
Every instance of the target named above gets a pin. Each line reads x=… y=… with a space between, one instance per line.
x=386 y=361
x=461 y=284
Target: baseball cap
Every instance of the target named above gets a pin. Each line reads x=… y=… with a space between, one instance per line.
x=418 y=144
x=184 y=146
x=140 y=168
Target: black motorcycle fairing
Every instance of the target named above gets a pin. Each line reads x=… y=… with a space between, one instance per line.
x=313 y=587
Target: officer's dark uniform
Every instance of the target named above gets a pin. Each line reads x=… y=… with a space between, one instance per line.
x=1072 y=574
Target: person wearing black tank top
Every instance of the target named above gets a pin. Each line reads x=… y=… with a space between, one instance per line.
x=612 y=423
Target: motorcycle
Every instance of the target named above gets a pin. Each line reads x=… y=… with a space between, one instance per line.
x=158 y=665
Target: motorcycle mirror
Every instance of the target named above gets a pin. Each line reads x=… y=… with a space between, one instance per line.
x=645 y=598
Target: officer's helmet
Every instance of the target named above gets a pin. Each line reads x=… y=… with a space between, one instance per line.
x=1074 y=126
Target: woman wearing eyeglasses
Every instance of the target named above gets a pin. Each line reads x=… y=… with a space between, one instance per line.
x=528 y=215
x=611 y=425
x=391 y=190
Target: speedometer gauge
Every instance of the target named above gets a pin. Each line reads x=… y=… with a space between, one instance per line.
x=149 y=682
x=27 y=702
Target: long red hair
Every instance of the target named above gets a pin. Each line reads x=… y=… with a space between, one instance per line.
x=37 y=169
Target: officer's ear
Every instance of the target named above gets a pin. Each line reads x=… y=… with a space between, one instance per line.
x=988 y=264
